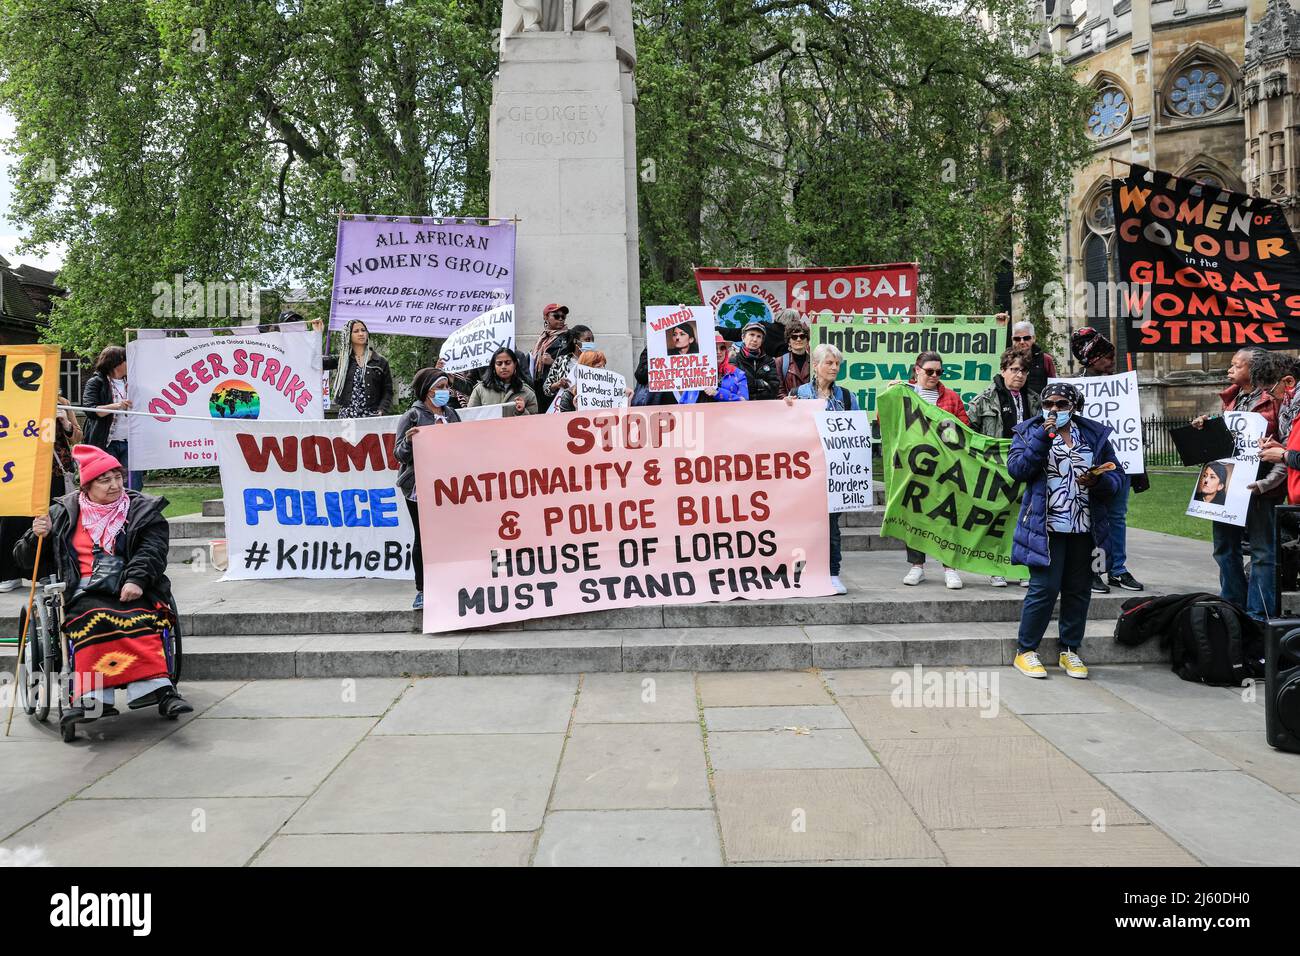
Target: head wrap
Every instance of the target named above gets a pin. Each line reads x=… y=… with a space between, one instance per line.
x=1064 y=390
x=1087 y=345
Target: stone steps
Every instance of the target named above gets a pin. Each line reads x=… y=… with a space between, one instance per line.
x=266 y=656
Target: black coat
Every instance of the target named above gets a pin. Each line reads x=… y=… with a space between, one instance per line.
x=95 y=393
x=764 y=381
x=142 y=543
x=379 y=382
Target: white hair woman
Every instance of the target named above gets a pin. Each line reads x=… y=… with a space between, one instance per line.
x=821 y=387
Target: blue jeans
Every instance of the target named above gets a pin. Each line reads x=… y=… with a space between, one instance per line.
x=1070 y=576
x=1117 y=559
x=134 y=479
x=835 y=545
x=1256 y=593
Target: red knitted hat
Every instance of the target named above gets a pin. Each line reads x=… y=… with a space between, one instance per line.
x=93 y=462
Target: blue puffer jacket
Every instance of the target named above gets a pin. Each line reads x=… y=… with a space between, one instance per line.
x=732 y=387
x=1028 y=463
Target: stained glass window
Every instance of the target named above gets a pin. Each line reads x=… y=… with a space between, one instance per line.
x=1198 y=91
x=1110 y=113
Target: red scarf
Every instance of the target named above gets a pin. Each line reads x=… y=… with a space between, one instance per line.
x=103 y=522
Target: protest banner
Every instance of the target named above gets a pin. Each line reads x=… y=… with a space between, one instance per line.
x=846 y=441
x=680 y=348
x=313 y=500
x=419 y=275
x=1203 y=268
x=1113 y=400
x=877 y=354
x=741 y=296
x=1221 y=492
x=948 y=491
x=29 y=390
x=471 y=346
x=624 y=508
x=598 y=388
x=220 y=373
x=481 y=413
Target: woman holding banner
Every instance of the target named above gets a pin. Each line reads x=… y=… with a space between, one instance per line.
x=1070 y=473
x=109 y=546
x=826 y=360
x=733 y=383
x=432 y=405
x=363 y=383
x=577 y=340
x=105 y=390
x=925 y=380
x=502 y=385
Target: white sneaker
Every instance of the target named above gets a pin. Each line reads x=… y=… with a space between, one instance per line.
x=9 y=585
x=998 y=581
x=952 y=579
x=915 y=576
x=838 y=585
x=1024 y=583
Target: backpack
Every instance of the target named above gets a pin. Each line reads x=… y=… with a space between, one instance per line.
x=1215 y=642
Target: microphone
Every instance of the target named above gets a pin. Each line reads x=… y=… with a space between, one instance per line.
x=1051 y=425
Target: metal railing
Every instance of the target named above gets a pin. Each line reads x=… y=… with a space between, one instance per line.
x=1157 y=442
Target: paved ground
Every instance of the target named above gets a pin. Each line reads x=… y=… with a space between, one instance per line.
x=1134 y=767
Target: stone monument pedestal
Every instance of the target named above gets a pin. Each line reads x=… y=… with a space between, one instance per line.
x=562 y=158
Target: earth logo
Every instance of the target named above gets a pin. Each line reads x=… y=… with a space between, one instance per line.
x=740 y=309
x=234 y=399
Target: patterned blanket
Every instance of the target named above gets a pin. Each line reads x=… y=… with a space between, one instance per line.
x=114 y=644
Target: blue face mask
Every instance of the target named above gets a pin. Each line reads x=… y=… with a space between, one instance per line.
x=441 y=396
x=1062 y=419
x=589 y=346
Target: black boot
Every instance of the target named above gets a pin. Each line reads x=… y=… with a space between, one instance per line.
x=171 y=704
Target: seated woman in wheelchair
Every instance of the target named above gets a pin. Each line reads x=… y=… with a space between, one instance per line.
x=109 y=546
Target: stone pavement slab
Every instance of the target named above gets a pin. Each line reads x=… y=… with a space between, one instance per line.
x=629 y=838
x=759 y=689
x=632 y=767
x=788 y=750
x=829 y=717
x=864 y=682
x=398 y=849
x=1117 y=743
x=636 y=699
x=1058 y=694
x=436 y=783
x=1223 y=818
x=1138 y=845
x=1249 y=750
x=336 y=697
x=878 y=719
x=817 y=815
x=540 y=704
x=974 y=782
x=238 y=758
x=1158 y=691
x=207 y=832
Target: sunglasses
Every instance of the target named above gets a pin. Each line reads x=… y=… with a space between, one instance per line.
x=932 y=371
x=1022 y=338
x=798 y=335
x=1057 y=406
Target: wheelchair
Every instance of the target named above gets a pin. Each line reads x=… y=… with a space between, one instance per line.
x=46 y=671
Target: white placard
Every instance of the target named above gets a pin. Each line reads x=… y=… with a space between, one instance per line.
x=472 y=345
x=598 y=388
x=1113 y=400
x=1221 y=492
x=846 y=440
x=481 y=413
x=244 y=377
x=680 y=350
x=314 y=500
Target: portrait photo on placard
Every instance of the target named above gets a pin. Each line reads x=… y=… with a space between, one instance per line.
x=682 y=339
x=1212 y=483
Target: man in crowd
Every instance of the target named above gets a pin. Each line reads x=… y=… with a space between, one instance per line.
x=1253 y=374
x=1041 y=365
x=544 y=353
x=1096 y=354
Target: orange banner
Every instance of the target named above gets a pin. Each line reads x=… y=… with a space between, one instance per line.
x=537 y=516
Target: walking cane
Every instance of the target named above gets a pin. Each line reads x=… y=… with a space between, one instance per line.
x=22 y=638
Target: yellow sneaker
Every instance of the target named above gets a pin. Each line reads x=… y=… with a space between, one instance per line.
x=1027 y=663
x=1073 y=665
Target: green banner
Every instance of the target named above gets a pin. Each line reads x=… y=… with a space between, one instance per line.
x=948 y=492
x=877 y=354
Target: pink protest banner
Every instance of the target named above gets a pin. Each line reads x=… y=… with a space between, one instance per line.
x=557 y=514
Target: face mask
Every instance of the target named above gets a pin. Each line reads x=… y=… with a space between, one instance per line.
x=1062 y=419
x=589 y=346
x=441 y=396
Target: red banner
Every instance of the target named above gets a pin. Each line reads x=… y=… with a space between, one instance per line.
x=740 y=296
x=542 y=515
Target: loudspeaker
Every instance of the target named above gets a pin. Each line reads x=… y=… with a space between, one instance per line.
x=1282 y=684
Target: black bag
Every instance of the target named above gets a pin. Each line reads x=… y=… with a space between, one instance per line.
x=1215 y=642
x=106 y=573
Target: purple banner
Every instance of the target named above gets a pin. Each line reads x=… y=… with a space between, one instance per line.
x=420 y=276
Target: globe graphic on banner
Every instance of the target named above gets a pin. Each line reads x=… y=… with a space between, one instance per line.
x=741 y=309
x=234 y=399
